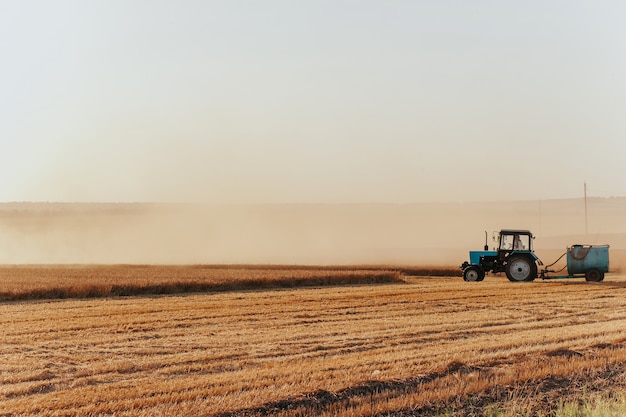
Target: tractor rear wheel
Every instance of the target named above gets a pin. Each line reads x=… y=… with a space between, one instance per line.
x=594 y=275
x=473 y=274
x=520 y=269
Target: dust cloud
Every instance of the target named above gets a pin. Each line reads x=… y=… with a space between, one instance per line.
x=427 y=234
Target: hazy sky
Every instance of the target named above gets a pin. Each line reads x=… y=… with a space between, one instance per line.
x=311 y=101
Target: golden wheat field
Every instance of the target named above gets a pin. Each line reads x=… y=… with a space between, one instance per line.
x=415 y=346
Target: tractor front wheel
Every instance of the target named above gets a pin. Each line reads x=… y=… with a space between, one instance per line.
x=520 y=269
x=473 y=274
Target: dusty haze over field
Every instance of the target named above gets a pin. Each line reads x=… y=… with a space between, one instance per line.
x=436 y=234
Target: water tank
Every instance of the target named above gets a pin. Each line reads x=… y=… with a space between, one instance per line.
x=582 y=258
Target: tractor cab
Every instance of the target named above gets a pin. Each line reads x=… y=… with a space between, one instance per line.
x=514 y=241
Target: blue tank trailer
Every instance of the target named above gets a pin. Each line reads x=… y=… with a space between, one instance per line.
x=589 y=261
x=516 y=258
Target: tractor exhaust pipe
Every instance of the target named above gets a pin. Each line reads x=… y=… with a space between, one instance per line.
x=486 y=244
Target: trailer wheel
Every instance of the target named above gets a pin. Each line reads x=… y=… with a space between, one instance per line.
x=594 y=275
x=473 y=274
x=520 y=269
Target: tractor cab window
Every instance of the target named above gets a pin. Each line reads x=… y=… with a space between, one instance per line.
x=506 y=242
x=515 y=242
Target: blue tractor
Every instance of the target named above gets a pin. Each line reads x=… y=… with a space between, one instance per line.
x=514 y=257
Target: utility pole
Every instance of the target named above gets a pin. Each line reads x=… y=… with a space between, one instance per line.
x=585 y=191
x=540 y=220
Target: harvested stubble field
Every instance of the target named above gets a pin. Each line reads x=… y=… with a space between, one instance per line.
x=423 y=346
